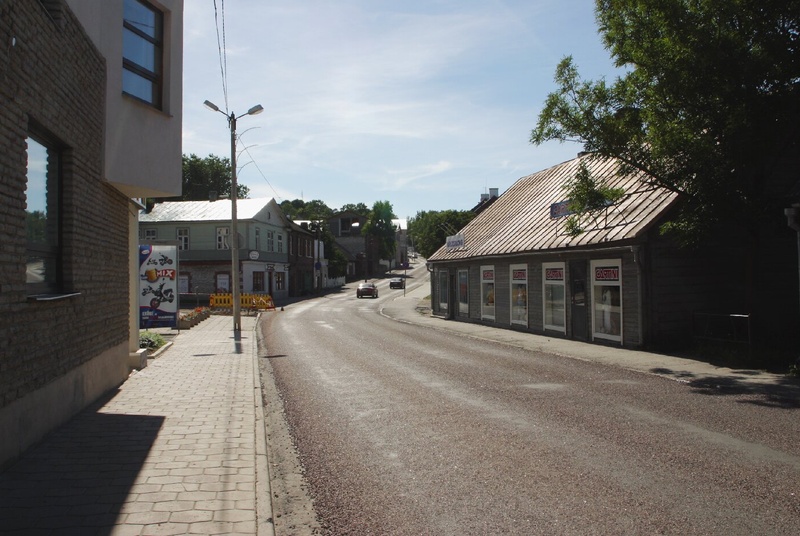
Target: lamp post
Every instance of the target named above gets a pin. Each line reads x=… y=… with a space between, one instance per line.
x=237 y=315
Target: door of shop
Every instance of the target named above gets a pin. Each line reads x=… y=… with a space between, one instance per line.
x=578 y=292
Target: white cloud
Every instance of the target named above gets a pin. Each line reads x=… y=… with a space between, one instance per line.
x=368 y=100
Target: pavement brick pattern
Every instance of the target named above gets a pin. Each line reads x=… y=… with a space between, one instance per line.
x=172 y=451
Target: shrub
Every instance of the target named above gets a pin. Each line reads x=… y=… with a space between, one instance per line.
x=151 y=340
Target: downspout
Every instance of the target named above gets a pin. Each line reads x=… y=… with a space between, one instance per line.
x=637 y=260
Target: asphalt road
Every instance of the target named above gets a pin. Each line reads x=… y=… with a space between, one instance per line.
x=401 y=429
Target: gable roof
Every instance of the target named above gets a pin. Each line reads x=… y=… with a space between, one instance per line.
x=199 y=211
x=519 y=221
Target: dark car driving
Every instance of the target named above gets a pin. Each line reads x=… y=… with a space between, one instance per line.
x=397 y=282
x=367 y=289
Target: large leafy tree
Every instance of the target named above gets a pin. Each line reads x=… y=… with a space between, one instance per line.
x=202 y=176
x=429 y=229
x=298 y=209
x=708 y=105
x=381 y=230
x=359 y=208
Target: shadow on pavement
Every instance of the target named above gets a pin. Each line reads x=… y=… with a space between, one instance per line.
x=782 y=393
x=78 y=479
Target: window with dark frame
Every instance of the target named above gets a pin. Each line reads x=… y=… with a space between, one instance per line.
x=42 y=218
x=258 y=281
x=142 y=50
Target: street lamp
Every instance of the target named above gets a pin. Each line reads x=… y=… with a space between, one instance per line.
x=237 y=315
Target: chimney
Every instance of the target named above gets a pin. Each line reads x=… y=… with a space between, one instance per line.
x=494 y=192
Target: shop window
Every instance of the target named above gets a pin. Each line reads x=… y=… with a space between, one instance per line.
x=443 y=294
x=142 y=50
x=280 y=280
x=553 y=288
x=487 y=292
x=258 y=281
x=42 y=218
x=184 y=283
x=222 y=282
x=607 y=299
x=463 y=292
x=519 y=293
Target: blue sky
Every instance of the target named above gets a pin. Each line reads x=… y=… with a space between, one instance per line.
x=425 y=104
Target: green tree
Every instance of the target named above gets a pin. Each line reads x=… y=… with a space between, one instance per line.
x=429 y=229
x=359 y=208
x=301 y=210
x=708 y=105
x=380 y=228
x=292 y=208
x=587 y=196
x=201 y=176
x=337 y=262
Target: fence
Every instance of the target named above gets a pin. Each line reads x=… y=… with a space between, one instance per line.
x=253 y=302
x=732 y=328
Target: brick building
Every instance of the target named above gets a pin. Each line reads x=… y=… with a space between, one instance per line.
x=87 y=122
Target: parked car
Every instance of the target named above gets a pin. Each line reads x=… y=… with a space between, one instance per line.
x=367 y=289
x=397 y=282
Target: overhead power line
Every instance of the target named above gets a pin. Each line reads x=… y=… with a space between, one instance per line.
x=222 y=48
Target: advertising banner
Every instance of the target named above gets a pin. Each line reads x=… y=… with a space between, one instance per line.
x=158 y=286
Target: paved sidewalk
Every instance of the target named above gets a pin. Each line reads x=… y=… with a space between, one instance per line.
x=179 y=448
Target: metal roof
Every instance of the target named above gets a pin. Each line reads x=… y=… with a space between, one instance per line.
x=196 y=211
x=519 y=220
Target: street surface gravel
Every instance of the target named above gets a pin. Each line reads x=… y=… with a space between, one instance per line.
x=397 y=429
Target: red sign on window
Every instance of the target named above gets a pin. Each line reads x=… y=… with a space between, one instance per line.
x=520 y=275
x=488 y=274
x=554 y=274
x=606 y=273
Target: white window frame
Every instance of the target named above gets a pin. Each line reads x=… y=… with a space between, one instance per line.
x=554 y=275
x=182 y=236
x=223 y=235
x=607 y=299
x=518 y=293
x=270 y=241
x=488 y=292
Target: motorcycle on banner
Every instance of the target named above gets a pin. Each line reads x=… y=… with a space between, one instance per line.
x=158 y=282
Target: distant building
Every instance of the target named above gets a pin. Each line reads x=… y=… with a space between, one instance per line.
x=267 y=241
